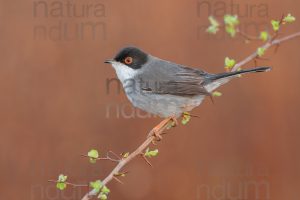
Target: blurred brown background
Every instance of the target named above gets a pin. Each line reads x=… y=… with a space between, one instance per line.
x=54 y=101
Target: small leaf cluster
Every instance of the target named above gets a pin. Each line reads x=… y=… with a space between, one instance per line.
x=186 y=117
x=61 y=182
x=276 y=25
x=101 y=189
x=216 y=94
x=229 y=63
x=264 y=36
x=150 y=153
x=214 y=25
x=93 y=155
x=261 y=51
x=289 y=19
x=231 y=23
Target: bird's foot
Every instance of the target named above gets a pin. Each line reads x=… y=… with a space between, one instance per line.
x=156 y=132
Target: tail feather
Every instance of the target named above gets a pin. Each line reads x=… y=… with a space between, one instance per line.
x=214 y=77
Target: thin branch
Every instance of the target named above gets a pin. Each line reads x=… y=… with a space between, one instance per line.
x=102 y=158
x=246 y=36
x=71 y=184
x=124 y=161
x=265 y=46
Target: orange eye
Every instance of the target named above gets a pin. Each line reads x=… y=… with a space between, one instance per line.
x=128 y=60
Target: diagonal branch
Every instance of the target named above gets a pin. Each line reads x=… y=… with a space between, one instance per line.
x=124 y=161
x=149 y=140
x=265 y=46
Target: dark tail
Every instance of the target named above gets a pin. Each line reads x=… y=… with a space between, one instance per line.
x=214 y=77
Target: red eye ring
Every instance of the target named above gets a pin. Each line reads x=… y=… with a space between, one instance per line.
x=128 y=60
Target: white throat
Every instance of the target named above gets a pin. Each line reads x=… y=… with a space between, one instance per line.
x=124 y=72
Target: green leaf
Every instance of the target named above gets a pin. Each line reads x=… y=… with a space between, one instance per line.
x=261 y=51
x=213 y=21
x=212 y=29
x=214 y=25
x=61 y=182
x=102 y=196
x=231 y=20
x=152 y=153
x=264 y=36
x=216 y=94
x=229 y=63
x=275 y=25
x=93 y=155
x=96 y=185
x=186 y=117
x=105 y=190
x=231 y=30
x=125 y=155
x=62 y=178
x=289 y=18
x=61 y=186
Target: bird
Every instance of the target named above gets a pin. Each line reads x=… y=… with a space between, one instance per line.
x=164 y=88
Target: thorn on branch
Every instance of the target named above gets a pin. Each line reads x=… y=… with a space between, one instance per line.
x=145 y=159
x=121 y=174
x=276 y=48
x=246 y=36
x=114 y=154
x=118 y=180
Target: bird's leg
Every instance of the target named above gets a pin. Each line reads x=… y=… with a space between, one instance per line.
x=157 y=130
x=211 y=98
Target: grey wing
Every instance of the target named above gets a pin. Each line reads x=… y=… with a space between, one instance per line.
x=163 y=77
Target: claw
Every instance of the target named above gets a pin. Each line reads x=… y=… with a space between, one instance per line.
x=174 y=120
x=156 y=132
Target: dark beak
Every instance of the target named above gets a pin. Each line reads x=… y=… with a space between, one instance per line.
x=109 y=61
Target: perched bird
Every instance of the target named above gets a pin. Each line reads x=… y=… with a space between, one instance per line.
x=164 y=88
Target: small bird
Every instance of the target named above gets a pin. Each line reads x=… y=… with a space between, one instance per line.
x=164 y=88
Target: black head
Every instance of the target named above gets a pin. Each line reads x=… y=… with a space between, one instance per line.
x=132 y=57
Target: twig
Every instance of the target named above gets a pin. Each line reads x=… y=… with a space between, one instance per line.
x=102 y=158
x=71 y=184
x=246 y=36
x=124 y=161
x=265 y=46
